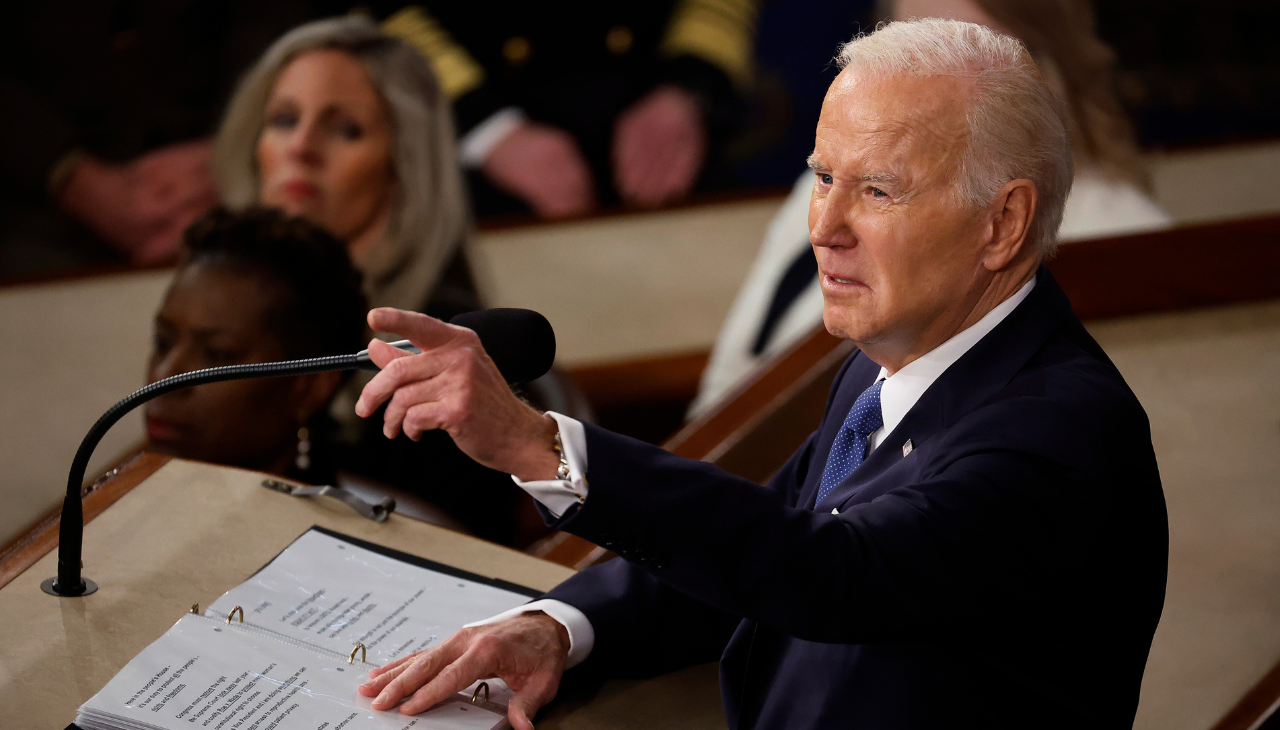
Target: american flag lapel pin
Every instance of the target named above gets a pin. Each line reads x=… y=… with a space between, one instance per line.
x=907 y=448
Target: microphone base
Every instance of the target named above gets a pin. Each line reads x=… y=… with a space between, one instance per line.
x=50 y=586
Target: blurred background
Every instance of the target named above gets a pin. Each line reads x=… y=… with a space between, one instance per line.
x=191 y=183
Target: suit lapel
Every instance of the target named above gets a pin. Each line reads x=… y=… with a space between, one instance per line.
x=981 y=372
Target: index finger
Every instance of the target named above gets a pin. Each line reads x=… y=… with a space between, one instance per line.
x=424 y=332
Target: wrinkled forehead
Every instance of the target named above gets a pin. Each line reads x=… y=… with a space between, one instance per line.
x=906 y=115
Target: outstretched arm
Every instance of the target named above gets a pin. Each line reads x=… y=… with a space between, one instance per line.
x=908 y=562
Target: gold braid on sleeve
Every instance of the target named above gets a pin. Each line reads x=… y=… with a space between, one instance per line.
x=719 y=32
x=456 y=69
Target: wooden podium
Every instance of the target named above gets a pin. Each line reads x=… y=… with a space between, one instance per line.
x=164 y=533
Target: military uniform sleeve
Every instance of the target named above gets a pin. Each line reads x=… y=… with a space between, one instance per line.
x=35 y=136
x=461 y=76
x=708 y=49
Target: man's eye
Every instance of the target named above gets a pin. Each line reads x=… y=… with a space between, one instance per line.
x=826 y=179
x=878 y=193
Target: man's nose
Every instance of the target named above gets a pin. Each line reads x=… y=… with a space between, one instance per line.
x=829 y=222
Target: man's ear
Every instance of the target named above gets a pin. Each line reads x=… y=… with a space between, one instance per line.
x=1012 y=211
x=312 y=391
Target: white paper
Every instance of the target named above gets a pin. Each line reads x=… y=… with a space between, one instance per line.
x=328 y=593
x=205 y=675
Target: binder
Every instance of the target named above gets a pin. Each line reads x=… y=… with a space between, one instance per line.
x=285 y=649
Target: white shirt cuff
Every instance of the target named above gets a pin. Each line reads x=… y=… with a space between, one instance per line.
x=559 y=495
x=480 y=142
x=581 y=636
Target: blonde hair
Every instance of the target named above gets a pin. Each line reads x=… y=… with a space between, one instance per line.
x=429 y=218
x=1080 y=68
x=1017 y=127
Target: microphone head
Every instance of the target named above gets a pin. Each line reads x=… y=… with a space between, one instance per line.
x=519 y=341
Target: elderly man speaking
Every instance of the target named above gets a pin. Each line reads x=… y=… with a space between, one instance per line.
x=975 y=536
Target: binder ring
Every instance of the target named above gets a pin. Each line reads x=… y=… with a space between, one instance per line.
x=476 y=695
x=363 y=654
x=233 y=613
x=195 y=608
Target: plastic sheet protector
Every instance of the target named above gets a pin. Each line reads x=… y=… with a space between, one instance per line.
x=332 y=592
x=285 y=649
x=206 y=674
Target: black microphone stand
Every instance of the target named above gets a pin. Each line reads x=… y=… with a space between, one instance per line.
x=520 y=342
x=69 y=582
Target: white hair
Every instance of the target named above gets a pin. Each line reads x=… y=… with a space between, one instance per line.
x=1017 y=127
x=429 y=218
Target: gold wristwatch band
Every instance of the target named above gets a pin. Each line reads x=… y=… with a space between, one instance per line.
x=562 y=472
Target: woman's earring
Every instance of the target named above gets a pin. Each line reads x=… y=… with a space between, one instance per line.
x=303 y=461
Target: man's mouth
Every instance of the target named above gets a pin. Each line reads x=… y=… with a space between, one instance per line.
x=837 y=280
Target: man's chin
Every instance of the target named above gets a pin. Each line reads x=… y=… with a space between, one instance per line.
x=841 y=323
x=840 y=333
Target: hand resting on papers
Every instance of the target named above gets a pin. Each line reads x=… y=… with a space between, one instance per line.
x=527 y=652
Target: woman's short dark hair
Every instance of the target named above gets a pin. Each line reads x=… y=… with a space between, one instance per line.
x=320 y=308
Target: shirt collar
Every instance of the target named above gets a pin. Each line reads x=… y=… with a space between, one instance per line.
x=901 y=391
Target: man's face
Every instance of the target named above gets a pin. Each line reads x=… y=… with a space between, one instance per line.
x=898 y=257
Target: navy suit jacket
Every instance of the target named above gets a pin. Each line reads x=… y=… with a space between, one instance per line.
x=1007 y=572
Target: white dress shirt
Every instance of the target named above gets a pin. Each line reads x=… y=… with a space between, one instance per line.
x=557 y=497
x=902 y=389
x=898 y=394
x=480 y=142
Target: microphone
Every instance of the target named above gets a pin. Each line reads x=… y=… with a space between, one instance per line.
x=519 y=341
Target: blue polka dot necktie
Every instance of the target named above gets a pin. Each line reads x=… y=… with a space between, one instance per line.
x=850 y=445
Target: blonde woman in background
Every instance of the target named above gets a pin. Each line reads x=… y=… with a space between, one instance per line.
x=346 y=126
x=781 y=302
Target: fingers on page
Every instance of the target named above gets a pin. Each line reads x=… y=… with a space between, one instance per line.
x=374 y=686
x=455 y=677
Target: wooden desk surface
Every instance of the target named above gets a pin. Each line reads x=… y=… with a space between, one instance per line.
x=192 y=531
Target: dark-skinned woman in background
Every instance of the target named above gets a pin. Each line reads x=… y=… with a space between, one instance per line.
x=261 y=286
x=254 y=287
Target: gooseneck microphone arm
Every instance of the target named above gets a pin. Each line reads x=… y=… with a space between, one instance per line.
x=69 y=581
x=520 y=342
